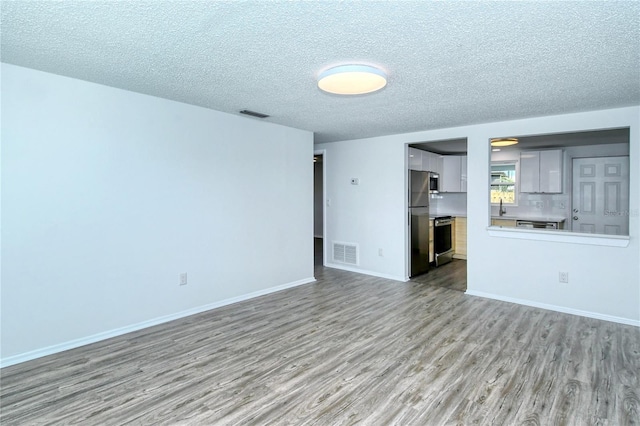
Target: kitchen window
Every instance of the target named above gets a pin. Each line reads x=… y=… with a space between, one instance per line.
x=503 y=182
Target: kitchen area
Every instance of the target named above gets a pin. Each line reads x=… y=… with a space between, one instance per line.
x=527 y=188
x=571 y=182
x=437 y=205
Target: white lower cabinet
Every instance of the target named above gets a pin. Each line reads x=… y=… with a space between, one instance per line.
x=460 y=238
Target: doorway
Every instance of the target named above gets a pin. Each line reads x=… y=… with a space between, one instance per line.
x=600 y=195
x=447 y=159
x=318 y=208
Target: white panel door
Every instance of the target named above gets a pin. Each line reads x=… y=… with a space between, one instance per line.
x=601 y=195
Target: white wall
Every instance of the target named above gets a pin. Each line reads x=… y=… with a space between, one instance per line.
x=604 y=281
x=372 y=213
x=108 y=195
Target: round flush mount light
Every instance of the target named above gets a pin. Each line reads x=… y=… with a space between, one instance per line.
x=504 y=141
x=352 y=79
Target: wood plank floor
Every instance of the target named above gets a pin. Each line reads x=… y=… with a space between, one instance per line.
x=450 y=275
x=349 y=349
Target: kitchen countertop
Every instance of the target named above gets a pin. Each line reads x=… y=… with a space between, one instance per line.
x=508 y=217
x=433 y=216
x=532 y=218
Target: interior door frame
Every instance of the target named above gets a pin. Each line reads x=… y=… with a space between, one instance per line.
x=325 y=246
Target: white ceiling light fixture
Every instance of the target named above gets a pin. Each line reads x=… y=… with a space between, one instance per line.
x=352 y=79
x=504 y=141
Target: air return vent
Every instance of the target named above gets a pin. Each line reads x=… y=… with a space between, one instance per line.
x=345 y=253
x=253 y=113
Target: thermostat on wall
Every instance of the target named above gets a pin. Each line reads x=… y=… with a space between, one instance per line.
x=355 y=181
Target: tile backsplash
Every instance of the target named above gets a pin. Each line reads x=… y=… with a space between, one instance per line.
x=451 y=203
x=538 y=205
x=529 y=205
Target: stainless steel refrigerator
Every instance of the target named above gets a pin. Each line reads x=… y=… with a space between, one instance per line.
x=418 y=222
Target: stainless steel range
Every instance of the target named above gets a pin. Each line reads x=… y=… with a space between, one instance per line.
x=442 y=243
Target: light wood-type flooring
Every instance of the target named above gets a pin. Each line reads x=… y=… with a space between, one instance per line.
x=450 y=275
x=348 y=349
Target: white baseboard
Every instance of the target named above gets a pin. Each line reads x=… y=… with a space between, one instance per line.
x=556 y=308
x=364 y=271
x=50 y=350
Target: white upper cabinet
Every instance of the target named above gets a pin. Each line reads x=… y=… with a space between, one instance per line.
x=551 y=171
x=463 y=173
x=454 y=173
x=425 y=161
x=530 y=171
x=415 y=159
x=432 y=162
x=450 y=177
x=541 y=171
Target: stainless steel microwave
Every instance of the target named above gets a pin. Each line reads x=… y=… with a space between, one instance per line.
x=434 y=182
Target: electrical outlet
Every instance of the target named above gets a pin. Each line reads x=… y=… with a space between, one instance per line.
x=380 y=252
x=563 y=277
x=183 y=278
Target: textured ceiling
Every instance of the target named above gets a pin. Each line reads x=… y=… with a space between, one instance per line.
x=449 y=63
x=557 y=140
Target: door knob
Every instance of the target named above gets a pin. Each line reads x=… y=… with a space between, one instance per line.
x=575 y=218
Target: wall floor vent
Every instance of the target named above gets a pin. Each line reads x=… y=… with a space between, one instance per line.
x=345 y=253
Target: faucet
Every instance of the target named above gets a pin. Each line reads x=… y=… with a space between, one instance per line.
x=501 y=211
